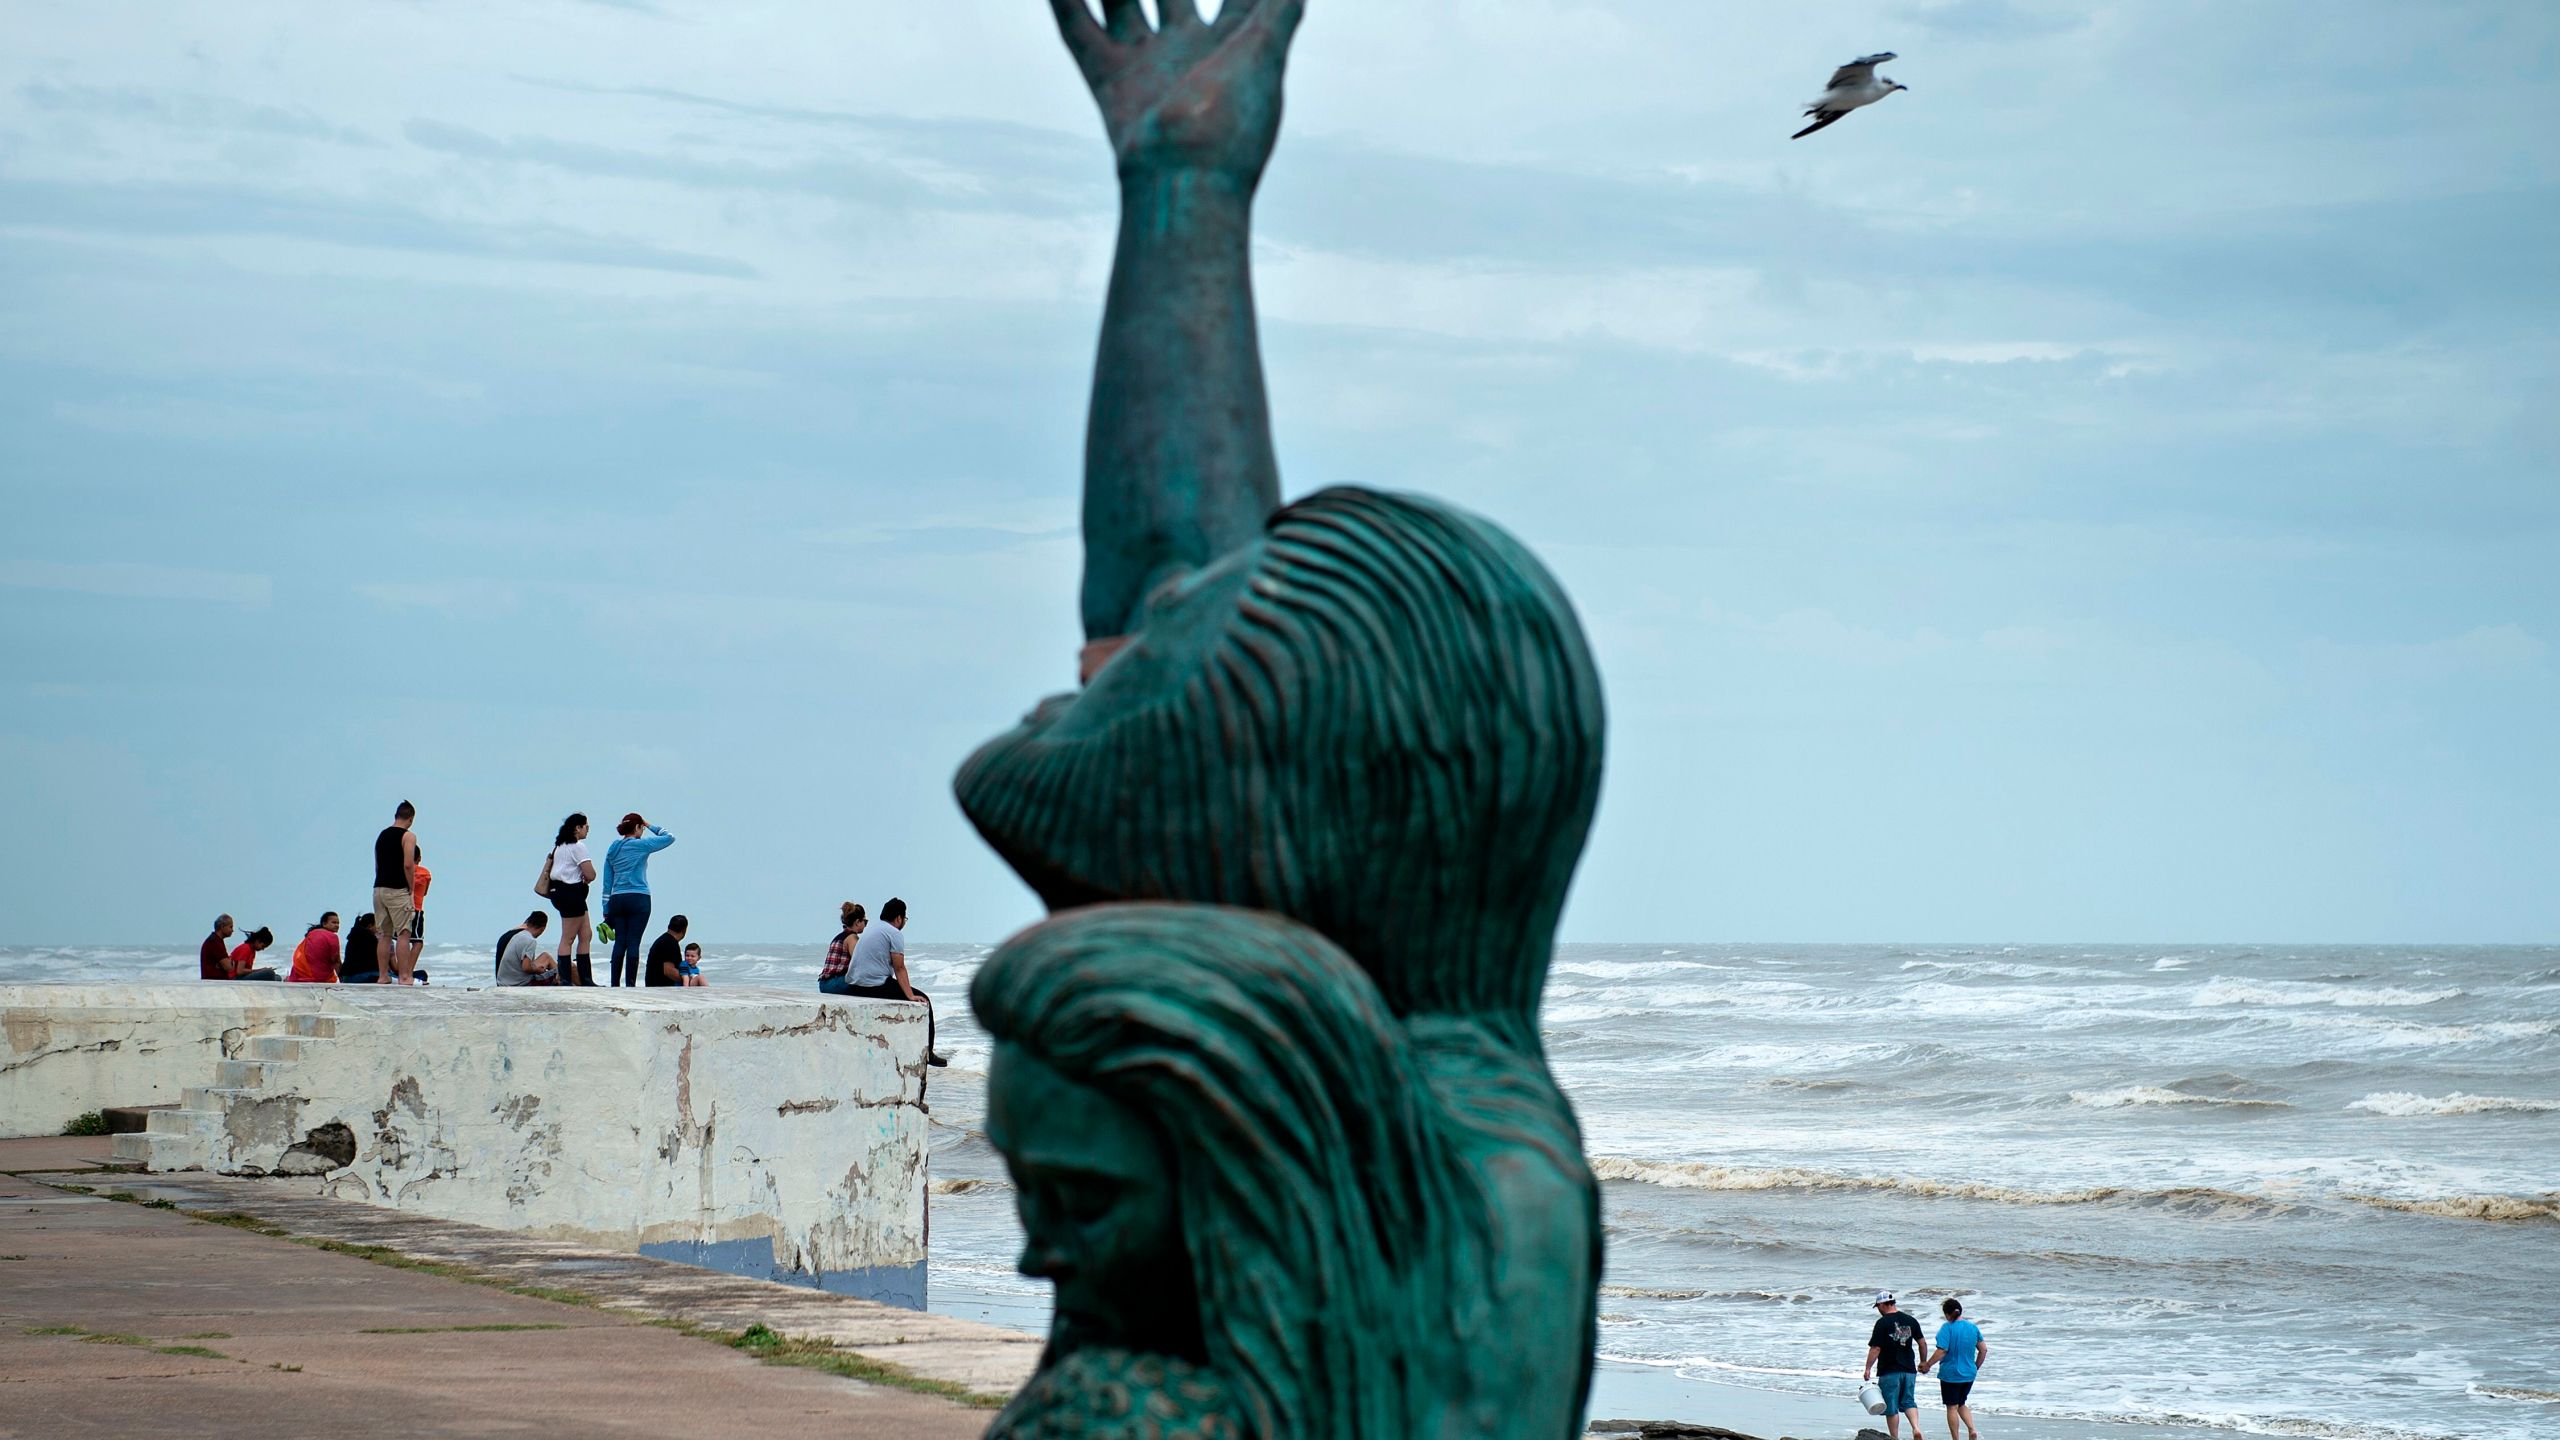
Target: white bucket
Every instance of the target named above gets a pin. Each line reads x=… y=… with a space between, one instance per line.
x=1871 y=1395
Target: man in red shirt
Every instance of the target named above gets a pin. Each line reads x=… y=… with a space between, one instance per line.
x=213 y=958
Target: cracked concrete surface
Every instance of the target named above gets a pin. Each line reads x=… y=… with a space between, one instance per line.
x=246 y=1337
x=619 y=1118
x=935 y=1347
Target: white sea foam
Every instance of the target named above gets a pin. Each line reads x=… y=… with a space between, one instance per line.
x=2471 y=1207
x=2222 y=991
x=2153 y=1095
x=1701 y=1175
x=2400 y=1103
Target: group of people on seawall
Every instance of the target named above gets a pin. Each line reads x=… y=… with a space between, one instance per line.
x=567 y=875
x=380 y=948
x=1897 y=1357
x=383 y=944
x=866 y=959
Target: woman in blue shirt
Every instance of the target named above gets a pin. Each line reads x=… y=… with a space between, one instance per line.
x=626 y=891
x=1960 y=1349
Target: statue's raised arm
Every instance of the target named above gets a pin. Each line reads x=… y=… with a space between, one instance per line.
x=1270 y=1082
x=1178 y=468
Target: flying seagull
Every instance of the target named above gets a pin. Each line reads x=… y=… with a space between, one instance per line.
x=1852 y=85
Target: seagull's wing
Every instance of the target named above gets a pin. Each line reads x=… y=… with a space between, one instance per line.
x=1859 y=71
x=1821 y=118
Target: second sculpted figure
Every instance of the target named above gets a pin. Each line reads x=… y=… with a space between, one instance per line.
x=1269 y=1079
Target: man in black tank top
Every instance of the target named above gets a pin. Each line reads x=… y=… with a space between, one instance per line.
x=395 y=859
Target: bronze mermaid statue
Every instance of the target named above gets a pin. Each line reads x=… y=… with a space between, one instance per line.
x=1269 y=1078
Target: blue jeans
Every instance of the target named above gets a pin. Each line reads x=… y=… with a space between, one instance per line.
x=1901 y=1392
x=628 y=914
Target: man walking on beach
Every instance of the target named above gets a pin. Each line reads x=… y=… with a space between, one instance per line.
x=879 y=968
x=1959 y=1355
x=1893 y=1362
x=395 y=863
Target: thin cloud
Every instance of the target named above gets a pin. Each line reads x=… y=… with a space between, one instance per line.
x=126 y=581
x=195 y=210
x=187 y=111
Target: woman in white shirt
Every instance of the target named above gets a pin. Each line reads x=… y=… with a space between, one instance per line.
x=571 y=873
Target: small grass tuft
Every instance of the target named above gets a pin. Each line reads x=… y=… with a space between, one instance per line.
x=237 y=1220
x=772 y=1348
x=196 y=1350
x=100 y=1337
x=208 y=1335
x=86 y=1123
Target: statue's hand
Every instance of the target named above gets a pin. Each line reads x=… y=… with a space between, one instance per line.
x=1190 y=94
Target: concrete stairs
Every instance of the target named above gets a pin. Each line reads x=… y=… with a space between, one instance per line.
x=197 y=1135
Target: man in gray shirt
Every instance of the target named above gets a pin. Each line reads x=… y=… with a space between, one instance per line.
x=521 y=960
x=878 y=968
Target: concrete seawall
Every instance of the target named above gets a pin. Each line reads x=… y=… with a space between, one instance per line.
x=758 y=1131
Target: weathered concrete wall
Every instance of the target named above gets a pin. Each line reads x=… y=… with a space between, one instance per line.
x=69 y=1049
x=661 y=1119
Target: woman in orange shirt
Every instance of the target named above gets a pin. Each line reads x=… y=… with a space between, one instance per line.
x=315 y=960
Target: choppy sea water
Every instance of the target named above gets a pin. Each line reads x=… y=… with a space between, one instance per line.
x=2305 y=1191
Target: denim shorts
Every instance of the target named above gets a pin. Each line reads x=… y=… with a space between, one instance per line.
x=1901 y=1391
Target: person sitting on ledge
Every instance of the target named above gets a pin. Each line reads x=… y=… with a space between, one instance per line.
x=213 y=957
x=521 y=958
x=244 y=956
x=666 y=954
x=692 y=967
x=877 y=970
x=315 y=959
x=362 y=962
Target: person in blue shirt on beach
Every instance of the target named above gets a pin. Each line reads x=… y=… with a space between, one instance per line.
x=626 y=891
x=1958 y=1353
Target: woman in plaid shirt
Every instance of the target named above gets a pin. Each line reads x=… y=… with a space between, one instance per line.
x=831 y=976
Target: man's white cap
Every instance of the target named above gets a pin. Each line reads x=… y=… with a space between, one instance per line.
x=1884 y=1297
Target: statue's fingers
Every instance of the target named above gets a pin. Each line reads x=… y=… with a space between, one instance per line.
x=1076 y=26
x=1282 y=15
x=1125 y=20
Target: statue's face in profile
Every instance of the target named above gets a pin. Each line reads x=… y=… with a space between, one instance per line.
x=1100 y=1219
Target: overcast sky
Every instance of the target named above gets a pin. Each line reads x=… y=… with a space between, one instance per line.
x=2111 y=491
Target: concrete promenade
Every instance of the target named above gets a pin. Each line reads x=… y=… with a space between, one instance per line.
x=118 y=1318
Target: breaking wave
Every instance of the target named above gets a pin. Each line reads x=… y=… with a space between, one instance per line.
x=2517 y=1392
x=2472 y=1207
x=1700 y=1175
x=2405 y=1103
x=2219 y=991
x=2154 y=1095
x=1640 y=1292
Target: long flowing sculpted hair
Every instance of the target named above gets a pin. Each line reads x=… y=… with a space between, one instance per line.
x=1333 y=1233
x=1395 y=737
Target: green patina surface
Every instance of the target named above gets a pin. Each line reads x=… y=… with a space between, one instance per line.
x=1269 y=1080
